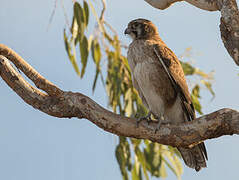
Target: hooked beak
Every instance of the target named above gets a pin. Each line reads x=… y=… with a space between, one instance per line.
x=127 y=31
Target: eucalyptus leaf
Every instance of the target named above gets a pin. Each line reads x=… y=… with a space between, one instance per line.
x=153 y=158
x=136 y=170
x=86 y=12
x=74 y=30
x=176 y=164
x=79 y=15
x=96 y=52
x=142 y=161
x=95 y=79
x=121 y=161
x=195 y=99
x=187 y=68
x=84 y=54
x=71 y=56
x=162 y=171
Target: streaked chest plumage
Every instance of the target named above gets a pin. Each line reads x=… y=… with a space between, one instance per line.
x=147 y=71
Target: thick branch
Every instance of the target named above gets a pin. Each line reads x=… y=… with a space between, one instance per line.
x=29 y=71
x=229 y=26
x=209 y=5
x=69 y=104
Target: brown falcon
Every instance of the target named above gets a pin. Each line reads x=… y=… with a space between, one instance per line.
x=158 y=77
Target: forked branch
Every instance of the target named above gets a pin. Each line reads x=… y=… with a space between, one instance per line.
x=63 y=104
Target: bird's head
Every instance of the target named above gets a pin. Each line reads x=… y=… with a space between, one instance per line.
x=141 y=29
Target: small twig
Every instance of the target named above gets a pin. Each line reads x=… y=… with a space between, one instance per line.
x=110 y=27
x=103 y=10
x=52 y=15
x=65 y=14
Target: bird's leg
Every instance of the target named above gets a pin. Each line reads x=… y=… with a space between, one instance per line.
x=147 y=118
x=160 y=119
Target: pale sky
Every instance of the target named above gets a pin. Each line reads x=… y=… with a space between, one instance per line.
x=36 y=146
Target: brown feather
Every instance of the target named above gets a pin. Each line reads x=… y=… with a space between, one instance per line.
x=163 y=91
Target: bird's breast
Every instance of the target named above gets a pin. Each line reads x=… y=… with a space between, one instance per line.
x=146 y=73
x=158 y=92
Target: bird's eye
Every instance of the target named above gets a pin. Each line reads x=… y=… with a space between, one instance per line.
x=135 y=25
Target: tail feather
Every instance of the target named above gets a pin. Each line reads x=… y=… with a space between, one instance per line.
x=203 y=149
x=195 y=157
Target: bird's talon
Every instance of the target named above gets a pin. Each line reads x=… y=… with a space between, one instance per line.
x=160 y=119
x=147 y=118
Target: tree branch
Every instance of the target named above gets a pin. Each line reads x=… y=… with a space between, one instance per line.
x=29 y=71
x=229 y=26
x=62 y=104
x=209 y=5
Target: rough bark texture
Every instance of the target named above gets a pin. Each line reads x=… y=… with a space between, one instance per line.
x=229 y=26
x=63 y=104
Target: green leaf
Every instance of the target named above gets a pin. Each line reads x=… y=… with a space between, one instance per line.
x=95 y=79
x=123 y=156
x=176 y=164
x=142 y=161
x=79 y=15
x=136 y=171
x=71 y=56
x=86 y=12
x=90 y=39
x=135 y=142
x=121 y=161
x=203 y=74
x=174 y=151
x=129 y=102
x=162 y=171
x=196 y=91
x=187 y=68
x=74 y=30
x=152 y=155
x=84 y=54
x=96 y=53
x=125 y=61
x=195 y=99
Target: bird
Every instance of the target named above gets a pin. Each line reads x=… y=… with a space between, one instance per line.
x=158 y=77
